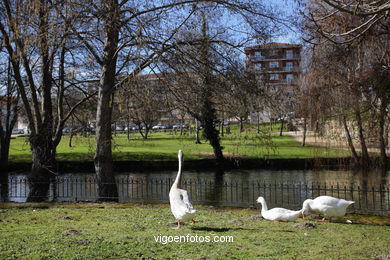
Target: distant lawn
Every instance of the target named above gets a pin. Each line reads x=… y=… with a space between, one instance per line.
x=128 y=231
x=164 y=146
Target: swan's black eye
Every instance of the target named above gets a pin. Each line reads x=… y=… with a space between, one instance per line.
x=181 y=197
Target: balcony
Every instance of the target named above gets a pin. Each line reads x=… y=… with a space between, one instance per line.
x=289 y=81
x=256 y=58
x=276 y=58
x=291 y=56
x=291 y=68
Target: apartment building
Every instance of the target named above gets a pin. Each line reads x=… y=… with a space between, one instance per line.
x=275 y=63
x=278 y=66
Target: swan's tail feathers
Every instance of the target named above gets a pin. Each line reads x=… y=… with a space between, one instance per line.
x=351 y=202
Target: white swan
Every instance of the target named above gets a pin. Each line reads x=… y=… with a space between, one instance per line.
x=327 y=206
x=277 y=214
x=181 y=205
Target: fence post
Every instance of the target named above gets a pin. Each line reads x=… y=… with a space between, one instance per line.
x=351 y=190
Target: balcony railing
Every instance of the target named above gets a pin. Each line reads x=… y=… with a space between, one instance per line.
x=256 y=57
x=291 y=56
x=284 y=57
x=291 y=68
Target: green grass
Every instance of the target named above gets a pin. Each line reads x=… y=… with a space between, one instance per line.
x=118 y=231
x=164 y=146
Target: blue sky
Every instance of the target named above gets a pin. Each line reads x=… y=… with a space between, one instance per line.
x=289 y=8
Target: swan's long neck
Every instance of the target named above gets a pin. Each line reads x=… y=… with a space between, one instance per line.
x=306 y=205
x=177 y=181
x=264 y=206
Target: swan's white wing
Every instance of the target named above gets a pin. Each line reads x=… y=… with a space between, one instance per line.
x=328 y=200
x=281 y=214
x=186 y=200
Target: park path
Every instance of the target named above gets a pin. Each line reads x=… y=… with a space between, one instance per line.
x=316 y=140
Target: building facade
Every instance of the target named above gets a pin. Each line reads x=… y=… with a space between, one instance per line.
x=275 y=63
x=277 y=66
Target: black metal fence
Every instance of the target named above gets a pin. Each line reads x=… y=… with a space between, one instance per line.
x=374 y=200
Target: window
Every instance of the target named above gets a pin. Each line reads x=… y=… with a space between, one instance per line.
x=273 y=52
x=289 y=54
x=274 y=77
x=258 y=56
x=258 y=66
x=289 y=66
x=274 y=64
x=289 y=78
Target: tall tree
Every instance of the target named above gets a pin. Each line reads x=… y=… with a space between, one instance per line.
x=35 y=39
x=208 y=115
x=126 y=36
x=9 y=99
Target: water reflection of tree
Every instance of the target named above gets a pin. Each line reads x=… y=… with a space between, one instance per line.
x=4 y=190
x=219 y=186
x=370 y=189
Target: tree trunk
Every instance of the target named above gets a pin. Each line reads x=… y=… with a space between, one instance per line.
x=43 y=166
x=241 y=125
x=209 y=131
x=181 y=125
x=207 y=110
x=222 y=130
x=11 y=115
x=281 y=128
x=258 y=122
x=349 y=138
x=128 y=129
x=365 y=159
x=146 y=132
x=71 y=134
x=107 y=188
x=304 y=131
x=4 y=148
x=381 y=133
x=197 y=127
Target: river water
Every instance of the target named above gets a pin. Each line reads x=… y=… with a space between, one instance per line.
x=237 y=188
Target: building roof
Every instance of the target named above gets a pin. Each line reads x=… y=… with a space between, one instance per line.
x=272 y=45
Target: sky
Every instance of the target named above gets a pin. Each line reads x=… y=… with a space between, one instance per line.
x=289 y=8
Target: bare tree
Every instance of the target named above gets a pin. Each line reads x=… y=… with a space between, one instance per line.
x=366 y=15
x=358 y=32
x=147 y=102
x=195 y=83
x=125 y=36
x=241 y=93
x=35 y=39
x=9 y=99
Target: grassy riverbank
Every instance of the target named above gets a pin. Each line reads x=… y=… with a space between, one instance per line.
x=119 y=231
x=163 y=146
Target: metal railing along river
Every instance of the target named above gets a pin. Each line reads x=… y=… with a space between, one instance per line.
x=374 y=200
